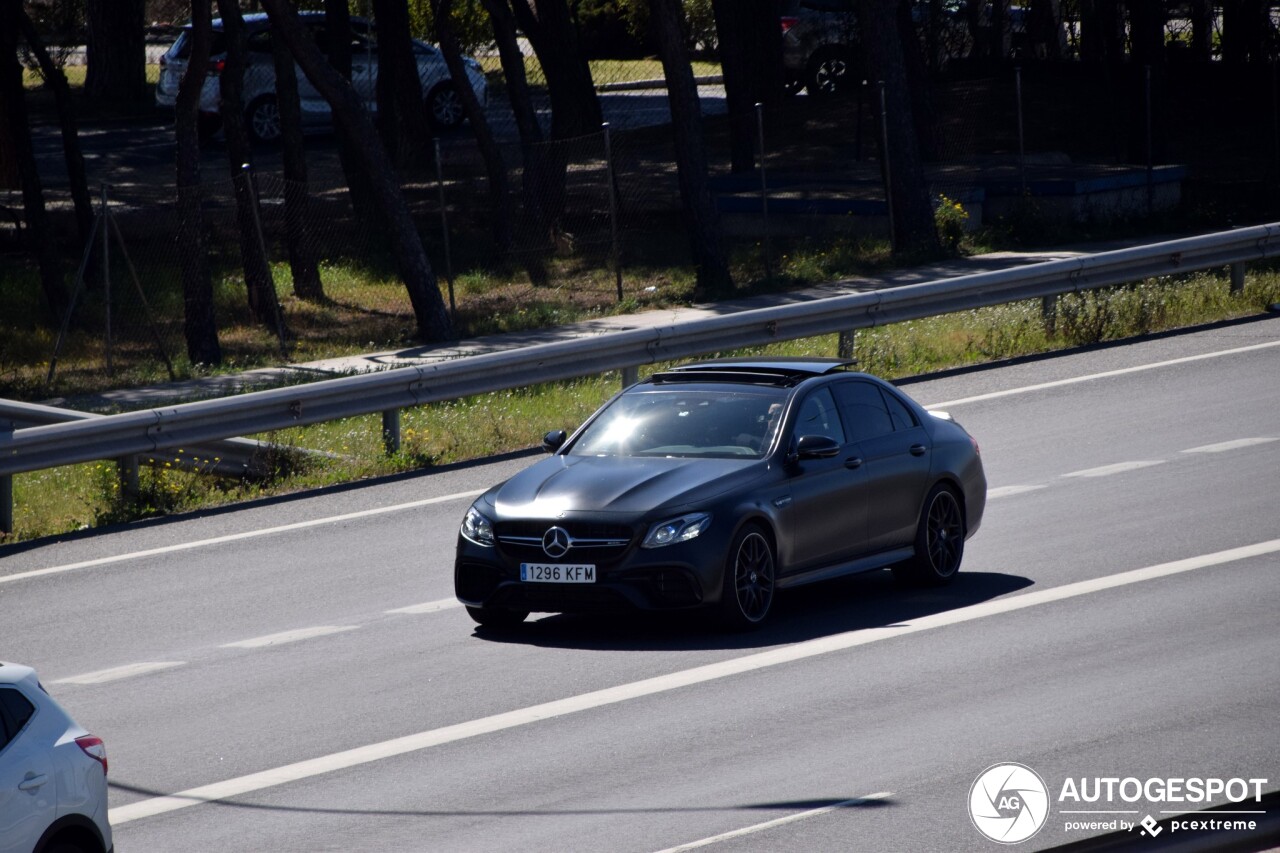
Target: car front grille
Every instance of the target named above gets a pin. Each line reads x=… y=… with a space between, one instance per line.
x=592 y=541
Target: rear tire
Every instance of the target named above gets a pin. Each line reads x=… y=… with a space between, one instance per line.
x=746 y=596
x=939 y=541
x=496 y=617
x=262 y=120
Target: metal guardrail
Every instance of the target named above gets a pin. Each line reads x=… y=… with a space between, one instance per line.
x=189 y=424
x=232 y=457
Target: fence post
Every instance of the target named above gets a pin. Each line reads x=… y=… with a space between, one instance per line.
x=1022 y=148
x=6 y=484
x=252 y=190
x=391 y=431
x=444 y=233
x=764 y=195
x=106 y=281
x=615 y=257
x=884 y=163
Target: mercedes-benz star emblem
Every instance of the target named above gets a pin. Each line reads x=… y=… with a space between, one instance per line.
x=556 y=542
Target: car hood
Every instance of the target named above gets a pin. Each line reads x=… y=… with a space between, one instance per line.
x=568 y=484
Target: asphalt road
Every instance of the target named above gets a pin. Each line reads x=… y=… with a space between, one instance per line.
x=858 y=720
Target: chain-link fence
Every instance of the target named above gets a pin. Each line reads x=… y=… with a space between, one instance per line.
x=585 y=223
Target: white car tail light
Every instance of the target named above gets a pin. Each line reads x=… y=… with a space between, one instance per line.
x=94 y=748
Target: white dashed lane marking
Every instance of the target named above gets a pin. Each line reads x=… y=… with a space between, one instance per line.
x=429 y=606
x=870 y=799
x=1118 y=468
x=102 y=676
x=1224 y=446
x=1009 y=491
x=289 y=637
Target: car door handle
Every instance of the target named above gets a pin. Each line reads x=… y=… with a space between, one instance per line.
x=32 y=782
x=918 y=450
x=853 y=462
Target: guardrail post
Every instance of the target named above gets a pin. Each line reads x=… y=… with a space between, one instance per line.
x=127 y=468
x=1237 y=278
x=1049 y=313
x=391 y=431
x=6 y=484
x=844 y=347
x=630 y=376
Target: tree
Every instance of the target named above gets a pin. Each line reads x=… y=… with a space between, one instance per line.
x=259 y=285
x=402 y=116
x=115 y=52
x=489 y=150
x=199 y=324
x=666 y=18
x=575 y=109
x=1101 y=32
x=297 y=198
x=1245 y=27
x=72 y=154
x=911 y=210
x=337 y=22
x=13 y=109
x=751 y=58
x=356 y=125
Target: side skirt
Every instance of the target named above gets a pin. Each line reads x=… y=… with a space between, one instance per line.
x=853 y=567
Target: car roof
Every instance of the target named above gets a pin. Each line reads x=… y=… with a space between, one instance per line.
x=777 y=370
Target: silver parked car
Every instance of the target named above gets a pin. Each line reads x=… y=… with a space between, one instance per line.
x=53 y=773
x=262 y=113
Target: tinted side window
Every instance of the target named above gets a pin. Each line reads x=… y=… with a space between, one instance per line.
x=818 y=416
x=863 y=410
x=899 y=413
x=15 y=710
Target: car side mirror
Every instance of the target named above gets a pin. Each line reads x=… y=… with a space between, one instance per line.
x=816 y=447
x=554 y=440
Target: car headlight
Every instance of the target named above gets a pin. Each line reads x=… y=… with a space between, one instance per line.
x=476 y=528
x=675 y=530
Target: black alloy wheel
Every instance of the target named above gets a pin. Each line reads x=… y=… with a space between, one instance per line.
x=939 y=541
x=444 y=107
x=748 y=580
x=830 y=74
x=262 y=120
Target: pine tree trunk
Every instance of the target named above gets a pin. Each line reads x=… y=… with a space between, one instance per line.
x=297 y=196
x=713 y=278
x=199 y=325
x=115 y=52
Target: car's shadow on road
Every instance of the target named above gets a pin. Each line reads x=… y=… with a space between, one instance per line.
x=871 y=600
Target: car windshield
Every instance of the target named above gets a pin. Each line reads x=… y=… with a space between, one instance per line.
x=698 y=422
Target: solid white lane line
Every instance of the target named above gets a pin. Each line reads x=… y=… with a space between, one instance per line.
x=289 y=637
x=1224 y=446
x=1118 y=468
x=782 y=821
x=116 y=673
x=1007 y=491
x=661 y=684
x=429 y=606
x=1026 y=389
x=235 y=537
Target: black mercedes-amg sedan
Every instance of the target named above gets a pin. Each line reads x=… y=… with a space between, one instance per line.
x=719 y=483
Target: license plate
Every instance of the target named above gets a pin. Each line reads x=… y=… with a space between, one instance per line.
x=557 y=573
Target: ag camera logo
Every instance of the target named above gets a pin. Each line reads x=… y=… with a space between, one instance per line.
x=1008 y=803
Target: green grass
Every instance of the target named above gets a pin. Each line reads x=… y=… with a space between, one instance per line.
x=60 y=500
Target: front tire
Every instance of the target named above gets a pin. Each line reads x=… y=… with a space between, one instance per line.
x=496 y=617
x=939 y=541
x=444 y=106
x=749 y=575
